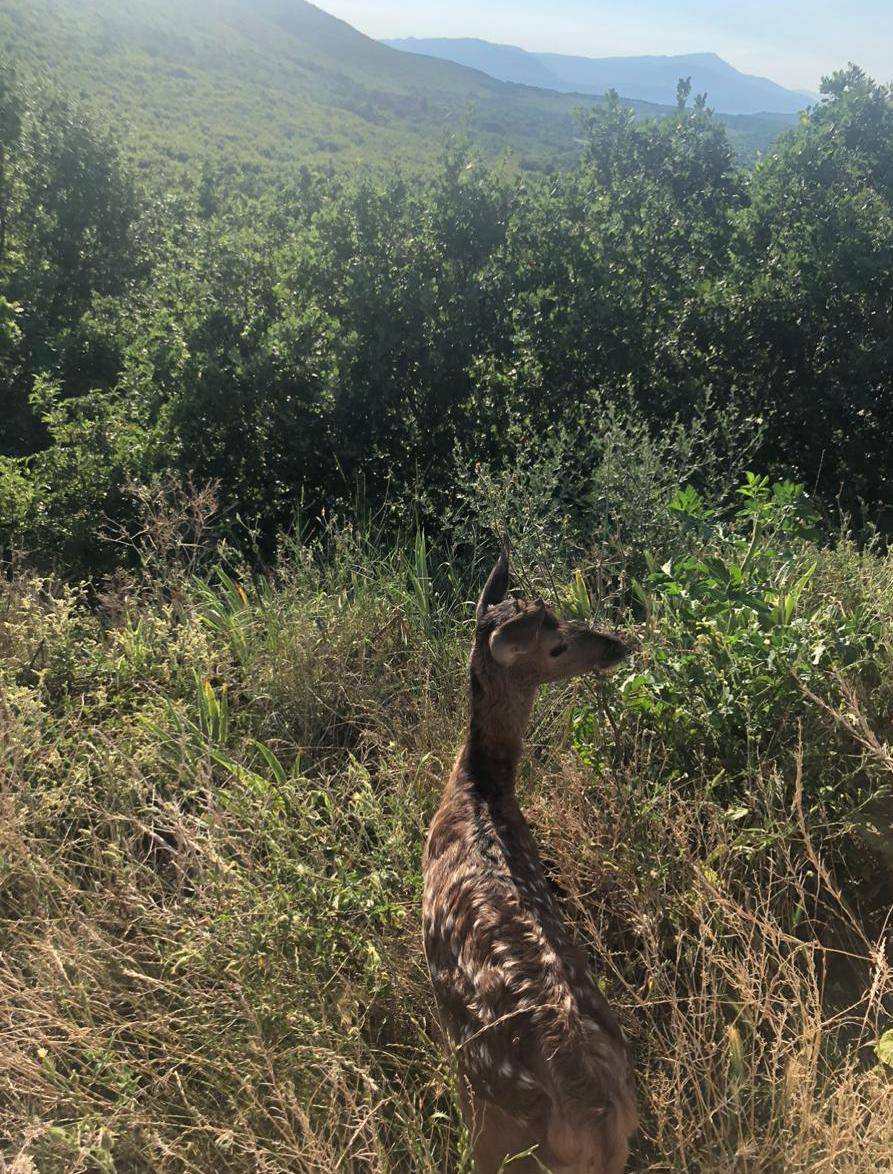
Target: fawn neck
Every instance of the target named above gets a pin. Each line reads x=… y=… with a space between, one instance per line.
x=499 y=717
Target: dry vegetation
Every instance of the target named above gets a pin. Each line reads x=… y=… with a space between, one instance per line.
x=214 y=791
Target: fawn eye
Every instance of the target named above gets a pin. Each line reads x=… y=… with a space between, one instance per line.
x=558 y=650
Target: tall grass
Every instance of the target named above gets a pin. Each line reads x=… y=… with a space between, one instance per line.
x=214 y=792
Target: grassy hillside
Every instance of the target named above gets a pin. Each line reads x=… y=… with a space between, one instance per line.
x=261 y=81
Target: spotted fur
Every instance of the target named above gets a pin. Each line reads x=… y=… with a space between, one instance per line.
x=541 y=1058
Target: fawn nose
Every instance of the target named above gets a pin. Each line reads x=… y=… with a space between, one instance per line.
x=618 y=649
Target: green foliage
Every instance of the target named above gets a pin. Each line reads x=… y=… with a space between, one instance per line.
x=68 y=497
x=885 y=1049
x=603 y=270
x=67 y=213
x=737 y=636
x=807 y=309
x=740 y=639
x=332 y=339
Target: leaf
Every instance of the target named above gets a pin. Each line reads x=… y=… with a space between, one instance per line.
x=276 y=767
x=884 y=1049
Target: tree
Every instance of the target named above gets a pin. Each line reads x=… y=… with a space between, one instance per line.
x=808 y=334
x=605 y=268
x=67 y=236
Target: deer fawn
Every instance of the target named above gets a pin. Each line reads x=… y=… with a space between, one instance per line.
x=542 y=1063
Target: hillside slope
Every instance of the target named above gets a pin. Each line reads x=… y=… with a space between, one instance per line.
x=263 y=82
x=650 y=79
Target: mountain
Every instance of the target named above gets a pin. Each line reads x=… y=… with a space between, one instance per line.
x=262 y=83
x=649 y=79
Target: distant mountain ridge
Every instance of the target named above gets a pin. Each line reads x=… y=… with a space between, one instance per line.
x=645 y=79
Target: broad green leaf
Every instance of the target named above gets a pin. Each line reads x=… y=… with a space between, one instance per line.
x=884 y=1049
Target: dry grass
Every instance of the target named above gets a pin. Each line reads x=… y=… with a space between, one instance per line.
x=211 y=819
x=754 y=1043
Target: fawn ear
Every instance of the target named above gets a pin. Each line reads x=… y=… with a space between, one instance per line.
x=518 y=636
x=497 y=585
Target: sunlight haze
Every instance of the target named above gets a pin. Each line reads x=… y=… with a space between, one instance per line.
x=794 y=43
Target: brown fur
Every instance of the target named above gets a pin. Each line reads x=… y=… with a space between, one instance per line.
x=541 y=1058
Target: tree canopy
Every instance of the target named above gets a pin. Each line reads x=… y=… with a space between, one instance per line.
x=334 y=331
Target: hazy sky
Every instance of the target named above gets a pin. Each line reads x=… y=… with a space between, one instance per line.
x=794 y=42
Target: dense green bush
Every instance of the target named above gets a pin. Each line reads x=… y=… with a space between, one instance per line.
x=338 y=335
x=67 y=238
x=740 y=639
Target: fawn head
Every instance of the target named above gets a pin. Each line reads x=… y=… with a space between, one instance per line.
x=530 y=644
